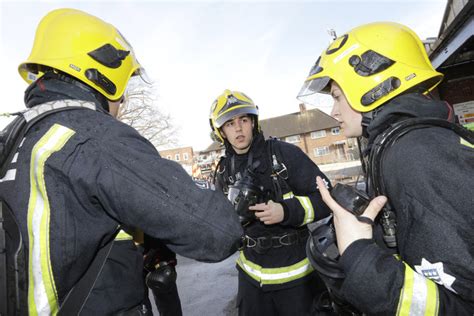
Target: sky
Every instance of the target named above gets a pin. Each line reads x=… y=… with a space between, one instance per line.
x=193 y=50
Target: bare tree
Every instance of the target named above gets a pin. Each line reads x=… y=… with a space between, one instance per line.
x=140 y=111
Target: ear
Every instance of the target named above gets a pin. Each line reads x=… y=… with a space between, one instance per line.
x=222 y=133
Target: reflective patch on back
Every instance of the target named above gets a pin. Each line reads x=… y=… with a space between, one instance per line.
x=42 y=294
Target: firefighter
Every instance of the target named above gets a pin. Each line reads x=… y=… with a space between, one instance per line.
x=379 y=77
x=78 y=173
x=271 y=185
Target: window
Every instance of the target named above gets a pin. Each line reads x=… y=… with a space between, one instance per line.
x=168 y=157
x=335 y=130
x=350 y=143
x=176 y=157
x=185 y=156
x=318 y=134
x=321 y=151
x=293 y=139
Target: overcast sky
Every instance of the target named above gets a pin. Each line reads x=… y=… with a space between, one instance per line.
x=194 y=50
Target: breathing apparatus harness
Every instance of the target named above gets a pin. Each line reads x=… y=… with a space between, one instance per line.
x=356 y=201
x=321 y=247
x=245 y=190
x=13 y=256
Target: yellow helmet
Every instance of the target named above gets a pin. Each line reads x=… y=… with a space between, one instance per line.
x=84 y=47
x=228 y=105
x=372 y=64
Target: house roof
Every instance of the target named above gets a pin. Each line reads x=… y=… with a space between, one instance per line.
x=305 y=121
x=297 y=123
x=455 y=43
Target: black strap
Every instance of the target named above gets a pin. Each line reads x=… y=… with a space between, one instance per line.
x=77 y=297
x=279 y=172
x=377 y=155
x=3 y=266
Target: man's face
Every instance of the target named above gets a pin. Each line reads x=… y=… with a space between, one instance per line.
x=239 y=132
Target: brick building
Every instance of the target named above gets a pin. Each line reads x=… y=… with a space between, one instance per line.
x=315 y=132
x=183 y=155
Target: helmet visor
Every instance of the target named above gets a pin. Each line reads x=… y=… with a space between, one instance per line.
x=143 y=75
x=233 y=112
x=310 y=89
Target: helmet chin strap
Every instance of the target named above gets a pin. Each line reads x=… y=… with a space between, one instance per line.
x=367 y=118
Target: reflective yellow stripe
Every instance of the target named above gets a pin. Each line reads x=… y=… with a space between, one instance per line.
x=406 y=293
x=288 y=195
x=42 y=295
x=122 y=235
x=306 y=204
x=274 y=275
x=419 y=295
x=432 y=300
x=308 y=209
x=466 y=143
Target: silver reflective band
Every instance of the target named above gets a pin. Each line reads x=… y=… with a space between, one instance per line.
x=419 y=295
x=53 y=105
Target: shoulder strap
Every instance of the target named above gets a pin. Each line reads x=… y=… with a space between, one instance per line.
x=391 y=135
x=77 y=297
x=12 y=264
x=279 y=172
x=220 y=173
x=377 y=155
x=12 y=135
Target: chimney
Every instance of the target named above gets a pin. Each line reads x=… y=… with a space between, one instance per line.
x=302 y=108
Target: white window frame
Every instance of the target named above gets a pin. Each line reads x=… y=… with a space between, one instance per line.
x=318 y=134
x=168 y=157
x=335 y=131
x=177 y=157
x=293 y=139
x=325 y=149
x=185 y=156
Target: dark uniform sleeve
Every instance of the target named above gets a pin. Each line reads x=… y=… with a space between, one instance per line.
x=431 y=189
x=140 y=189
x=379 y=284
x=303 y=204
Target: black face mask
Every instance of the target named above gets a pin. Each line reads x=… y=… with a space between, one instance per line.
x=321 y=247
x=246 y=192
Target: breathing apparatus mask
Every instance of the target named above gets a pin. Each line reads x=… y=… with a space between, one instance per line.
x=321 y=247
x=246 y=192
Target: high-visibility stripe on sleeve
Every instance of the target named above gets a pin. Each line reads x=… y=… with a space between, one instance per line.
x=466 y=143
x=42 y=295
x=122 y=235
x=419 y=295
x=274 y=275
x=306 y=204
